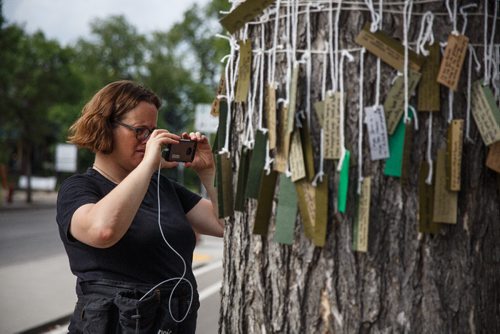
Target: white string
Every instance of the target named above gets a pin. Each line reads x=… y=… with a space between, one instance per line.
x=429 y=149
x=450 y=106
x=336 y=32
x=375 y=18
x=260 y=73
x=453 y=15
x=489 y=68
x=323 y=79
x=406 y=24
x=468 y=110
x=464 y=15
x=485 y=63
x=330 y=44
x=288 y=56
x=360 y=119
x=307 y=57
x=272 y=65
x=377 y=84
x=319 y=175
x=269 y=160
x=426 y=34
x=415 y=117
x=350 y=58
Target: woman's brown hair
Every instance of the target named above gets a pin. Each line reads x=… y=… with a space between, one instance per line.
x=94 y=129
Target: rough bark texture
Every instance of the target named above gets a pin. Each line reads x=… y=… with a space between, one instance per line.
x=406 y=282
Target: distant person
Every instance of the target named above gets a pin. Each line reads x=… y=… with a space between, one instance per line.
x=109 y=222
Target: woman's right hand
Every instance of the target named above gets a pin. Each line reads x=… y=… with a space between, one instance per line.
x=154 y=147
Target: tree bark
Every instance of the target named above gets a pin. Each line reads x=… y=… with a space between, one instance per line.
x=407 y=281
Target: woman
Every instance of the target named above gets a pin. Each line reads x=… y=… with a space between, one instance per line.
x=127 y=230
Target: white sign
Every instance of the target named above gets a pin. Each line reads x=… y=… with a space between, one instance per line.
x=204 y=121
x=377 y=132
x=66 y=155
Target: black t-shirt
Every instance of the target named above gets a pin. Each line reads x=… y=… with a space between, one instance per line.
x=141 y=256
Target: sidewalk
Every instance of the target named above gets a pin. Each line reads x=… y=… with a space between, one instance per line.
x=40 y=199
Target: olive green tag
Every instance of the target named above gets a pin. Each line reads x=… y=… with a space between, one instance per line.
x=344 y=182
x=407 y=148
x=428 y=88
x=445 y=200
x=321 y=201
x=242 y=14
x=256 y=167
x=394 y=104
x=239 y=202
x=244 y=69
x=221 y=130
x=286 y=213
x=426 y=202
x=265 y=203
x=493 y=160
x=307 y=146
x=393 y=165
x=224 y=185
x=307 y=202
x=454 y=154
x=486 y=113
x=362 y=219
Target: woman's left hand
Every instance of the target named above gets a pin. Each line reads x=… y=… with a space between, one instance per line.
x=203 y=158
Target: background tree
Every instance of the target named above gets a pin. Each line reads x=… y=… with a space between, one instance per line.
x=407 y=282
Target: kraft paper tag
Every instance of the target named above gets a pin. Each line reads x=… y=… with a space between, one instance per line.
x=296 y=159
x=344 y=182
x=407 y=148
x=307 y=206
x=244 y=70
x=307 y=146
x=362 y=219
x=321 y=202
x=428 y=88
x=221 y=90
x=257 y=163
x=319 y=109
x=485 y=113
x=286 y=213
x=332 y=125
x=283 y=143
x=454 y=154
x=445 y=200
x=270 y=111
x=493 y=159
x=395 y=101
x=239 y=202
x=292 y=103
x=377 y=132
x=394 y=164
x=225 y=185
x=453 y=60
x=265 y=203
x=426 y=202
x=242 y=14
x=388 y=49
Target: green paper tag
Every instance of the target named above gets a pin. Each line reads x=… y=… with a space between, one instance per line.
x=426 y=202
x=307 y=146
x=256 y=165
x=246 y=155
x=286 y=213
x=445 y=200
x=242 y=14
x=428 y=88
x=221 y=131
x=224 y=185
x=394 y=164
x=321 y=200
x=265 y=203
x=344 y=182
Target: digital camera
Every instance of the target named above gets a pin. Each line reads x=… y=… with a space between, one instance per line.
x=182 y=152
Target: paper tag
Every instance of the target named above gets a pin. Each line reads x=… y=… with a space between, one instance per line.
x=242 y=14
x=307 y=146
x=394 y=104
x=362 y=220
x=319 y=109
x=332 y=125
x=296 y=158
x=453 y=60
x=486 y=113
x=256 y=165
x=307 y=206
x=426 y=202
x=344 y=182
x=265 y=203
x=394 y=164
x=321 y=201
x=221 y=129
x=390 y=50
x=286 y=213
x=377 y=132
x=225 y=186
x=239 y=202
x=454 y=154
x=271 y=114
x=445 y=200
x=493 y=160
x=292 y=98
x=221 y=90
x=407 y=148
x=428 y=88
x=283 y=143
x=244 y=69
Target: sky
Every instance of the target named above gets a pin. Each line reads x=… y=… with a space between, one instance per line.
x=67 y=20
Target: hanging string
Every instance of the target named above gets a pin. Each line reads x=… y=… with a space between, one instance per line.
x=320 y=174
x=377 y=84
x=453 y=15
x=288 y=56
x=323 y=78
x=450 y=106
x=485 y=50
x=360 y=118
x=464 y=15
x=336 y=32
x=472 y=55
x=350 y=58
x=272 y=65
x=430 y=163
x=261 y=76
x=490 y=67
x=375 y=18
x=330 y=44
x=406 y=24
x=307 y=57
x=426 y=34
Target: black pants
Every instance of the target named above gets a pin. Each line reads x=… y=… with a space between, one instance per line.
x=110 y=307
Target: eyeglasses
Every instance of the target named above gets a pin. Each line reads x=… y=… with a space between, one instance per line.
x=141 y=133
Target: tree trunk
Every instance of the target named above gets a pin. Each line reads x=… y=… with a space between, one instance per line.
x=411 y=282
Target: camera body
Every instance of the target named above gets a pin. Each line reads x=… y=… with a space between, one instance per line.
x=182 y=152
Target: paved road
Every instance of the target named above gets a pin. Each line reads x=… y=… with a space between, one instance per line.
x=38 y=287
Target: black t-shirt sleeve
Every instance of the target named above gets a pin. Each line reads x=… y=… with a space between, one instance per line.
x=76 y=191
x=187 y=198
